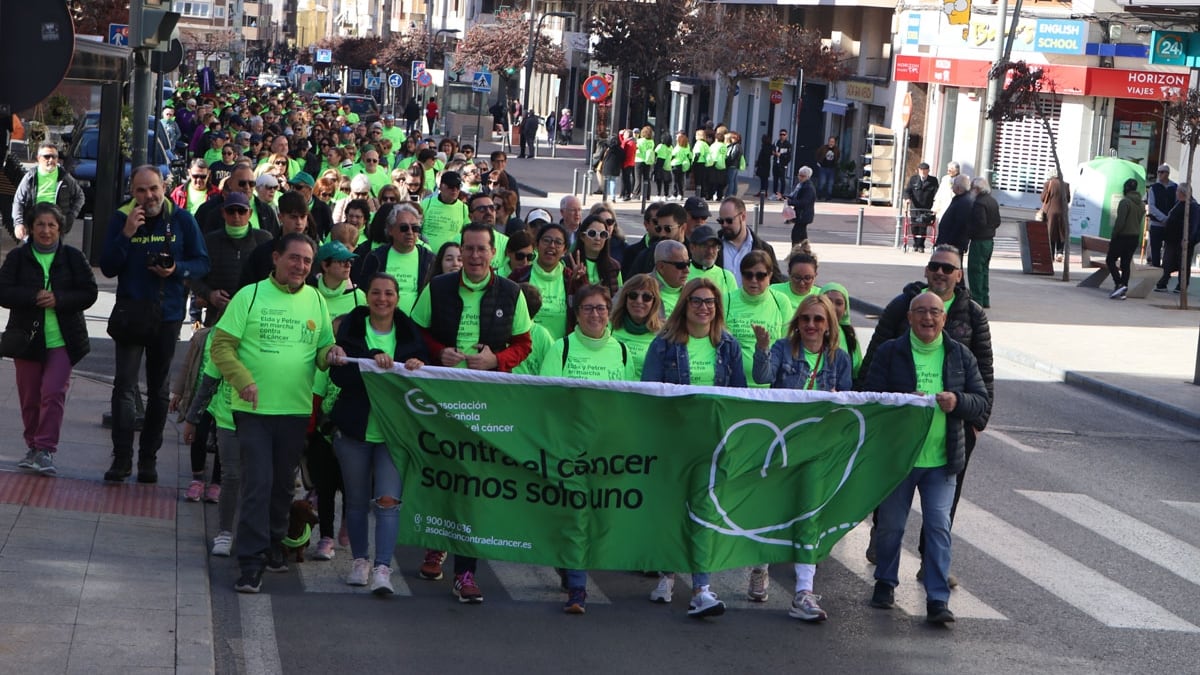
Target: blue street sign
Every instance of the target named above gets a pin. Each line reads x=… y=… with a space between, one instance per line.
x=356 y=78
x=372 y=82
x=418 y=67
x=324 y=56
x=395 y=81
x=481 y=82
x=118 y=34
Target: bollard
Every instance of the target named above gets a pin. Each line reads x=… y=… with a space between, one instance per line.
x=575 y=182
x=859 y=230
x=899 y=228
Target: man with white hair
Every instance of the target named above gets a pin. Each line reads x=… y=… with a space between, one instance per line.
x=671 y=266
x=1160 y=198
x=985 y=219
x=954 y=227
x=571 y=212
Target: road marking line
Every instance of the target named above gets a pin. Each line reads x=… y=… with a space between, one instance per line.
x=538 y=583
x=329 y=576
x=1009 y=440
x=1190 y=508
x=260 y=652
x=1145 y=540
x=1080 y=586
x=910 y=594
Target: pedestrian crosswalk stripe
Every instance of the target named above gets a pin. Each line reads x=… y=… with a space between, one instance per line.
x=1190 y=508
x=329 y=576
x=910 y=594
x=1153 y=544
x=537 y=583
x=1009 y=440
x=1080 y=586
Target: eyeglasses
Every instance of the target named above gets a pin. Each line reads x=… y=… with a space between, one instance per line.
x=388 y=200
x=413 y=187
x=370 y=161
x=643 y=296
x=663 y=229
x=802 y=278
x=811 y=318
x=727 y=221
x=944 y=268
x=361 y=195
x=475 y=250
x=757 y=276
x=238 y=210
x=526 y=257
x=483 y=207
x=405 y=227
x=548 y=241
x=679 y=265
x=934 y=312
x=593 y=309
x=199 y=176
x=699 y=302
x=597 y=234
x=280 y=162
x=48 y=156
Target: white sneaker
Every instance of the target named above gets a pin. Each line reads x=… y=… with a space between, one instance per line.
x=223 y=544
x=381 y=580
x=662 y=592
x=705 y=603
x=805 y=607
x=759 y=581
x=1118 y=292
x=360 y=570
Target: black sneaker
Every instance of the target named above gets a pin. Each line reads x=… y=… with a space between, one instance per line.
x=119 y=471
x=276 y=560
x=249 y=582
x=871 y=547
x=884 y=596
x=1160 y=289
x=147 y=473
x=937 y=611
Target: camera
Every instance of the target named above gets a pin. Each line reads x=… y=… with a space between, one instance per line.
x=161 y=259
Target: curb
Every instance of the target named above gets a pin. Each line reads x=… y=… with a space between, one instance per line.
x=1116 y=394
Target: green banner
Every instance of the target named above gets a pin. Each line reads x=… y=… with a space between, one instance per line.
x=633 y=475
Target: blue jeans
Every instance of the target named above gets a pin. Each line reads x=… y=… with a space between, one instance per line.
x=360 y=461
x=824 y=185
x=610 y=188
x=731 y=181
x=937 y=495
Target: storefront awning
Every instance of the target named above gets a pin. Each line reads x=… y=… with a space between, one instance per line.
x=833 y=105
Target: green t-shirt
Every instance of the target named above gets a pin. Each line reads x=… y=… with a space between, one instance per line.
x=637 y=344
x=468 y=324
x=443 y=222
x=593 y=272
x=553 y=314
x=541 y=342
x=770 y=309
x=645 y=151
x=700 y=152
x=386 y=343
x=786 y=288
x=702 y=361
x=54 y=336
x=405 y=267
x=929 y=361
x=816 y=363
x=670 y=296
x=279 y=336
x=681 y=157
x=221 y=405
x=47 y=187
x=720 y=276
x=662 y=151
x=341 y=300
x=588 y=359
x=716 y=153
x=212 y=156
x=195 y=199
x=395 y=135
x=856 y=357
x=377 y=180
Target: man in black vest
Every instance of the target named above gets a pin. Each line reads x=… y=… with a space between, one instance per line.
x=472 y=319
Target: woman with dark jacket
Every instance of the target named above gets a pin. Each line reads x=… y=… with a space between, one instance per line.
x=46 y=285
x=804 y=200
x=762 y=165
x=385 y=334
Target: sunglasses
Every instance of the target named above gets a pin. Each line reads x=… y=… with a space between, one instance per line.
x=48 y=156
x=245 y=183
x=484 y=207
x=727 y=221
x=609 y=221
x=757 y=276
x=702 y=302
x=237 y=209
x=388 y=200
x=279 y=162
x=597 y=234
x=643 y=296
x=405 y=227
x=944 y=268
x=663 y=229
x=525 y=257
x=199 y=177
x=681 y=265
x=811 y=318
x=370 y=161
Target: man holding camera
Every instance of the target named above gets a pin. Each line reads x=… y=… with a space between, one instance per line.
x=153 y=248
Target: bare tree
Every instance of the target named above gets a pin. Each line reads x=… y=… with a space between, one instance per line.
x=358 y=53
x=1184 y=116
x=93 y=16
x=501 y=47
x=1025 y=97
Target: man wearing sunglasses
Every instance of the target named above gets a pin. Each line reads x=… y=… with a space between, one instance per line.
x=197 y=190
x=668 y=223
x=671 y=267
x=965 y=322
x=209 y=214
x=738 y=240
x=409 y=263
x=48 y=183
x=445 y=213
x=705 y=246
x=228 y=250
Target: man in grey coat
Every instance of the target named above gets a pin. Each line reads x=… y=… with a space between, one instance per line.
x=48 y=182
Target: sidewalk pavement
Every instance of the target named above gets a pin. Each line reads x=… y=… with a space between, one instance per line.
x=114 y=578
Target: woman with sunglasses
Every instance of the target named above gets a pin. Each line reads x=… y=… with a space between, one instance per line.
x=802 y=272
x=221 y=169
x=590 y=352
x=756 y=304
x=519 y=255
x=694 y=348
x=840 y=298
x=616 y=236
x=637 y=318
x=591 y=253
x=389 y=194
x=808 y=358
x=325 y=189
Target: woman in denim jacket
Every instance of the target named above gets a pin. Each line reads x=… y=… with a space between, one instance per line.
x=808 y=358
x=694 y=348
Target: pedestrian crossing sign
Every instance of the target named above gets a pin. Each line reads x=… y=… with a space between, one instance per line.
x=481 y=82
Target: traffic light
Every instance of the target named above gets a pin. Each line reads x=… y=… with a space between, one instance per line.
x=151 y=26
x=509 y=72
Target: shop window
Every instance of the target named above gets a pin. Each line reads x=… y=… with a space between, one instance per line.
x=1023 y=157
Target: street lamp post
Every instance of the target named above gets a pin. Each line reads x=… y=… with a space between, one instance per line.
x=534 y=31
x=429 y=49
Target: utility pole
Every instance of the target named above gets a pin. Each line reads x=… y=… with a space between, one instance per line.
x=1004 y=43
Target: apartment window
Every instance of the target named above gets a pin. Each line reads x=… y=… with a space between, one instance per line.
x=197 y=9
x=218 y=12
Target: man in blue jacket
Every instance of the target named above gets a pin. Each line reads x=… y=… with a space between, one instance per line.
x=152 y=247
x=923 y=360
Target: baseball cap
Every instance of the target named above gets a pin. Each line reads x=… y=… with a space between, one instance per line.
x=704 y=233
x=302 y=178
x=266 y=180
x=377 y=125
x=696 y=208
x=236 y=199
x=389 y=116
x=346 y=130
x=220 y=134
x=923 y=165
x=538 y=217
x=334 y=250
x=256 y=138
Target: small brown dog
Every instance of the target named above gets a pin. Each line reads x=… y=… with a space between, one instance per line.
x=300 y=523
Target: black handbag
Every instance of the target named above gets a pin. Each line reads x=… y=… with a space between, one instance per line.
x=15 y=342
x=134 y=321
